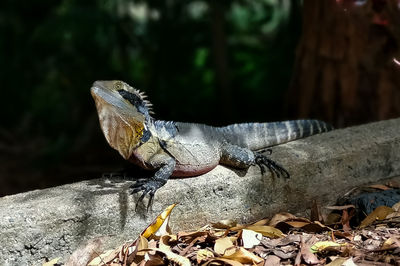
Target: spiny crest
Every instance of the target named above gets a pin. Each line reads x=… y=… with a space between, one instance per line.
x=143 y=97
x=119 y=85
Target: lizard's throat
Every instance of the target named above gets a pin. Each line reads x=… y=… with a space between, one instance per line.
x=123 y=133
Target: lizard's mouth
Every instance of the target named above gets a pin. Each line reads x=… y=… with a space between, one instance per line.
x=103 y=95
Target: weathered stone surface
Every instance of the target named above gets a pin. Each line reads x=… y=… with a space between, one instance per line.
x=53 y=222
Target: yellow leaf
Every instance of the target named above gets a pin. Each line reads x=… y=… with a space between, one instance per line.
x=243 y=256
x=52 y=262
x=266 y=230
x=379 y=213
x=250 y=238
x=161 y=220
x=225 y=224
x=203 y=254
x=321 y=245
x=180 y=260
x=222 y=244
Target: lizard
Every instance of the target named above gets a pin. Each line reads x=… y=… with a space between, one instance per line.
x=186 y=149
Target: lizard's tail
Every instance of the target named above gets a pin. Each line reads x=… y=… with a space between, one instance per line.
x=257 y=136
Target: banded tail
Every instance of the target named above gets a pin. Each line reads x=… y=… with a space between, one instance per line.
x=257 y=136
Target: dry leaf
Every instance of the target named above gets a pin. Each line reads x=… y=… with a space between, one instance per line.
x=180 y=260
x=203 y=254
x=337 y=262
x=272 y=260
x=379 y=213
x=250 y=238
x=307 y=255
x=396 y=207
x=262 y=222
x=243 y=256
x=321 y=245
x=225 y=224
x=223 y=261
x=222 y=244
x=280 y=217
x=160 y=224
x=266 y=230
x=379 y=186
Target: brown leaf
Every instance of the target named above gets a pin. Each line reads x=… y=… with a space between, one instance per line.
x=266 y=230
x=379 y=186
x=225 y=224
x=339 y=208
x=280 y=217
x=222 y=244
x=262 y=222
x=243 y=256
x=223 y=261
x=306 y=254
x=396 y=207
x=203 y=255
x=316 y=212
x=272 y=260
x=379 y=213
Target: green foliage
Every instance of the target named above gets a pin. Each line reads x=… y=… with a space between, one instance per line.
x=52 y=51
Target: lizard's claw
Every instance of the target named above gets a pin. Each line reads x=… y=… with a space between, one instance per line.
x=149 y=187
x=262 y=161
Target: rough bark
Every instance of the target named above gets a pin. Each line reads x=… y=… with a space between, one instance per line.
x=345 y=73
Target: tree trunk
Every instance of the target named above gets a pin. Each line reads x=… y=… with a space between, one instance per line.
x=345 y=72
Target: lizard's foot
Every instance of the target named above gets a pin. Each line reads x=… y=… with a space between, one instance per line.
x=149 y=187
x=262 y=161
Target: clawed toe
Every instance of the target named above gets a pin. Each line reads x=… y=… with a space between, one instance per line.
x=147 y=187
x=262 y=161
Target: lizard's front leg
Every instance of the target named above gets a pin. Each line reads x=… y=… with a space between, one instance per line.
x=238 y=157
x=165 y=166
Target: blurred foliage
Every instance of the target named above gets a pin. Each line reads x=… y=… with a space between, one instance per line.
x=52 y=51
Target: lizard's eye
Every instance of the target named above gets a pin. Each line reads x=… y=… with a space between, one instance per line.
x=118 y=85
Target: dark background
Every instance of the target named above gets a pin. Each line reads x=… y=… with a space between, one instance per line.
x=214 y=62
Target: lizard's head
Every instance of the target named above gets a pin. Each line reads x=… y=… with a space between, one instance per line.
x=123 y=114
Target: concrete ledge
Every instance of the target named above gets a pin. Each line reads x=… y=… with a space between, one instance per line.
x=54 y=222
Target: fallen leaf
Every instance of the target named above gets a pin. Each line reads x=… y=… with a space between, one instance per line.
x=379 y=186
x=222 y=244
x=306 y=254
x=280 y=217
x=243 y=256
x=225 y=224
x=262 y=222
x=266 y=230
x=396 y=207
x=160 y=224
x=180 y=260
x=224 y=262
x=203 y=254
x=339 y=208
x=379 y=213
x=272 y=260
x=250 y=238
x=321 y=245
x=337 y=262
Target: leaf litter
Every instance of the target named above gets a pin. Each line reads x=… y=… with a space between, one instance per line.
x=284 y=239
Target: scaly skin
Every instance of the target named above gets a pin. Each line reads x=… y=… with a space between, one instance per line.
x=186 y=149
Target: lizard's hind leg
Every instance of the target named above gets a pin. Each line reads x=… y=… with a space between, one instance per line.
x=238 y=157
